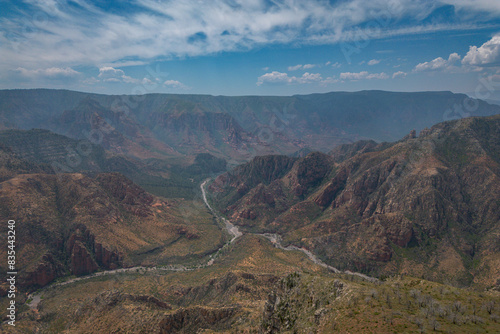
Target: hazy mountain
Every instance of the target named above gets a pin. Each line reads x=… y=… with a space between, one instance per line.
x=163 y=125
x=54 y=153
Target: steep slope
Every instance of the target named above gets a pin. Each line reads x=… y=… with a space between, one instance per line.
x=250 y=179
x=256 y=288
x=11 y=164
x=302 y=303
x=193 y=130
x=425 y=206
x=114 y=130
x=74 y=223
x=236 y=128
x=61 y=154
x=228 y=294
x=346 y=151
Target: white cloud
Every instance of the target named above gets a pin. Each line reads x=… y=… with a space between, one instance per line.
x=381 y=75
x=489 y=6
x=436 y=64
x=439 y=64
x=373 y=62
x=111 y=74
x=301 y=67
x=362 y=75
x=336 y=65
x=148 y=82
x=175 y=84
x=453 y=58
x=52 y=72
x=329 y=80
x=399 y=74
x=178 y=28
x=130 y=80
x=108 y=73
x=295 y=68
x=353 y=76
x=276 y=77
x=309 y=77
x=485 y=55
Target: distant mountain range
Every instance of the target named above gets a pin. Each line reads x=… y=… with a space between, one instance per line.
x=234 y=128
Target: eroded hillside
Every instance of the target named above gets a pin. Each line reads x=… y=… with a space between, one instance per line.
x=425 y=206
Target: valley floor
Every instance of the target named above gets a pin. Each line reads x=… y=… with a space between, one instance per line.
x=254 y=284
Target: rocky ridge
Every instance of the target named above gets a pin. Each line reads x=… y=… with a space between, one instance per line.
x=236 y=128
x=425 y=205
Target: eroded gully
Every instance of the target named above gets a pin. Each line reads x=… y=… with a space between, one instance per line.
x=232 y=229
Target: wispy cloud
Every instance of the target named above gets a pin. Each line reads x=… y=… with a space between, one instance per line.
x=301 y=67
x=175 y=84
x=399 y=74
x=78 y=32
x=50 y=73
x=353 y=76
x=374 y=62
x=276 y=77
x=294 y=68
x=334 y=65
x=486 y=6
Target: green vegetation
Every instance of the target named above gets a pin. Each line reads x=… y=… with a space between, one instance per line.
x=426 y=206
x=344 y=303
x=43 y=151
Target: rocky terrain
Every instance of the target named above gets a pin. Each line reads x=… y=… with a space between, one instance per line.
x=76 y=223
x=61 y=154
x=425 y=206
x=235 y=128
x=99 y=183
x=256 y=288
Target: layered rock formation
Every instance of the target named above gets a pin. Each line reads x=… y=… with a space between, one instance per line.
x=236 y=128
x=425 y=206
x=77 y=223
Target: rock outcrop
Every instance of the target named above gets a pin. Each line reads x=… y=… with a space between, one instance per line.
x=71 y=223
x=45 y=271
x=373 y=207
x=82 y=262
x=185 y=320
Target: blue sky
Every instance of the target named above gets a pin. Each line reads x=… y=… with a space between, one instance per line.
x=252 y=47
